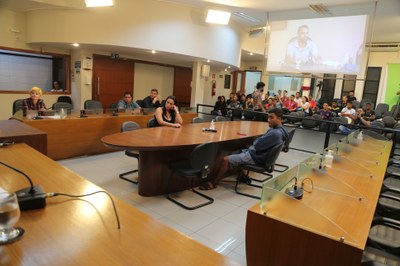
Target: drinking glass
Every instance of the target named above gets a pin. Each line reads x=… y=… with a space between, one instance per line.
x=9 y=216
x=62 y=113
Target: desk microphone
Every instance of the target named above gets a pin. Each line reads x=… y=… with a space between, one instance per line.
x=295 y=192
x=29 y=198
x=209 y=129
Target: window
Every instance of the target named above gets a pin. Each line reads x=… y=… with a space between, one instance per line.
x=20 y=70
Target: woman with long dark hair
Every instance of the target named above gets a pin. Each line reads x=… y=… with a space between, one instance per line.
x=168 y=114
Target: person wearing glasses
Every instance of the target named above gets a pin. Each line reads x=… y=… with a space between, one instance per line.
x=34 y=102
x=127 y=102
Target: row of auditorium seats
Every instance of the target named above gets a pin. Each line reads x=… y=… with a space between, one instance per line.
x=383 y=244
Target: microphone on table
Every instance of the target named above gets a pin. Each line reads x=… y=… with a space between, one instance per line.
x=209 y=129
x=30 y=198
x=295 y=192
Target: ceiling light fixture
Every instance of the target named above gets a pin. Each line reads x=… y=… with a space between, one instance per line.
x=218 y=17
x=246 y=17
x=208 y=61
x=97 y=3
x=75 y=44
x=153 y=51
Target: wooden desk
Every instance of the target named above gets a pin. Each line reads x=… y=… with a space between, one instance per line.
x=84 y=232
x=75 y=136
x=19 y=132
x=159 y=146
x=328 y=226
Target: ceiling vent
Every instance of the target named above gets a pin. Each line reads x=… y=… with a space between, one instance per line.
x=387 y=47
x=256 y=32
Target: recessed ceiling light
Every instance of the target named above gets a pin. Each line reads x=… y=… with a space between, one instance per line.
x=208 y=61
x=75 y=44
x=97 y=3
x=153 y=51
x=229 y=66
x=250 y=53
x=218 y=17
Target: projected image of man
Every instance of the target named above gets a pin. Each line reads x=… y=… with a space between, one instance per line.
x=301 y=49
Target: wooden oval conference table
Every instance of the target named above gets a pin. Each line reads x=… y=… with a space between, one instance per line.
x=159 y=146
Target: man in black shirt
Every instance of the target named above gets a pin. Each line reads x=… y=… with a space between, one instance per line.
x=152 y=101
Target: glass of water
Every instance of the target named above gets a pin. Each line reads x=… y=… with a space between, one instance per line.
x=9 y=216
x=63 y=113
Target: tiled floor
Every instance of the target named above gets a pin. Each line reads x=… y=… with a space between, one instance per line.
x=220 y=226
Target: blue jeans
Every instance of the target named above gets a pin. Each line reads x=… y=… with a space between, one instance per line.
x=345 y=130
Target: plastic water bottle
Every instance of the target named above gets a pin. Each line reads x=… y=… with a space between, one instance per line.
x=212 y=125
x=360 y=136
x=329 y=159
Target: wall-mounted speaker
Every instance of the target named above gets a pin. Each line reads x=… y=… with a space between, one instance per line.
x=205 y=70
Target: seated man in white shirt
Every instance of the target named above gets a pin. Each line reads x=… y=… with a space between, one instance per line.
x=348 y=112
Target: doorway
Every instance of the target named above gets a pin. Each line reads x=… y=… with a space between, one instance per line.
x=111 y=78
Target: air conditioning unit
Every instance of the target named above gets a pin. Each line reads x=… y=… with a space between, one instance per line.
x=383 y=47
x=256 y=32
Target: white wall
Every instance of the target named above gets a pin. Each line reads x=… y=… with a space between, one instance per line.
x=141 y=24
x=147 y=77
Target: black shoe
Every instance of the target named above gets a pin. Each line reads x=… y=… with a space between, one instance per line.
x=242 y=178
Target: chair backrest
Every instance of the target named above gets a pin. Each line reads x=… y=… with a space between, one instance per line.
x=364 y=103
x=272 y=155
x=203 y=155
x=140 y=102
x=129 y=126
x=248 y=114
x=374 y=134
x=152 y=122
x=197 y=120
x=382 y=107
x=220 y=119
x=65 y=105
x=65 y=99
x=389 y=121
x=113 y=105
x=356 y=104
x=288 y=140
x=93 y=104
x=17 y=105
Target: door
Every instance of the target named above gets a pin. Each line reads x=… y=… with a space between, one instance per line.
x=182 y=86
x=111 y=78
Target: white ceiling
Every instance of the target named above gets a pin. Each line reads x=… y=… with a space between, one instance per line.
x=385 y=14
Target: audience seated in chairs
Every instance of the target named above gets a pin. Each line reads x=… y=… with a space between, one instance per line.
x=335 y=108
x=255 y=154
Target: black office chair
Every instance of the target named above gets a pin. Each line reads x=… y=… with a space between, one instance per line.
x=113 y=106
x=93 y=104
x=17 y=105
x=58 y=105
x=384 y=235
x=265 y=169
x=197 y=166
x=152 y=122
x=220 y=119
x=129 y=126
x=140 y=103
x=283 y=167
x=64 y=99
x=197 y=120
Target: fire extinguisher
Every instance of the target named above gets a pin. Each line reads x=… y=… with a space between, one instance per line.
x=213 y=88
